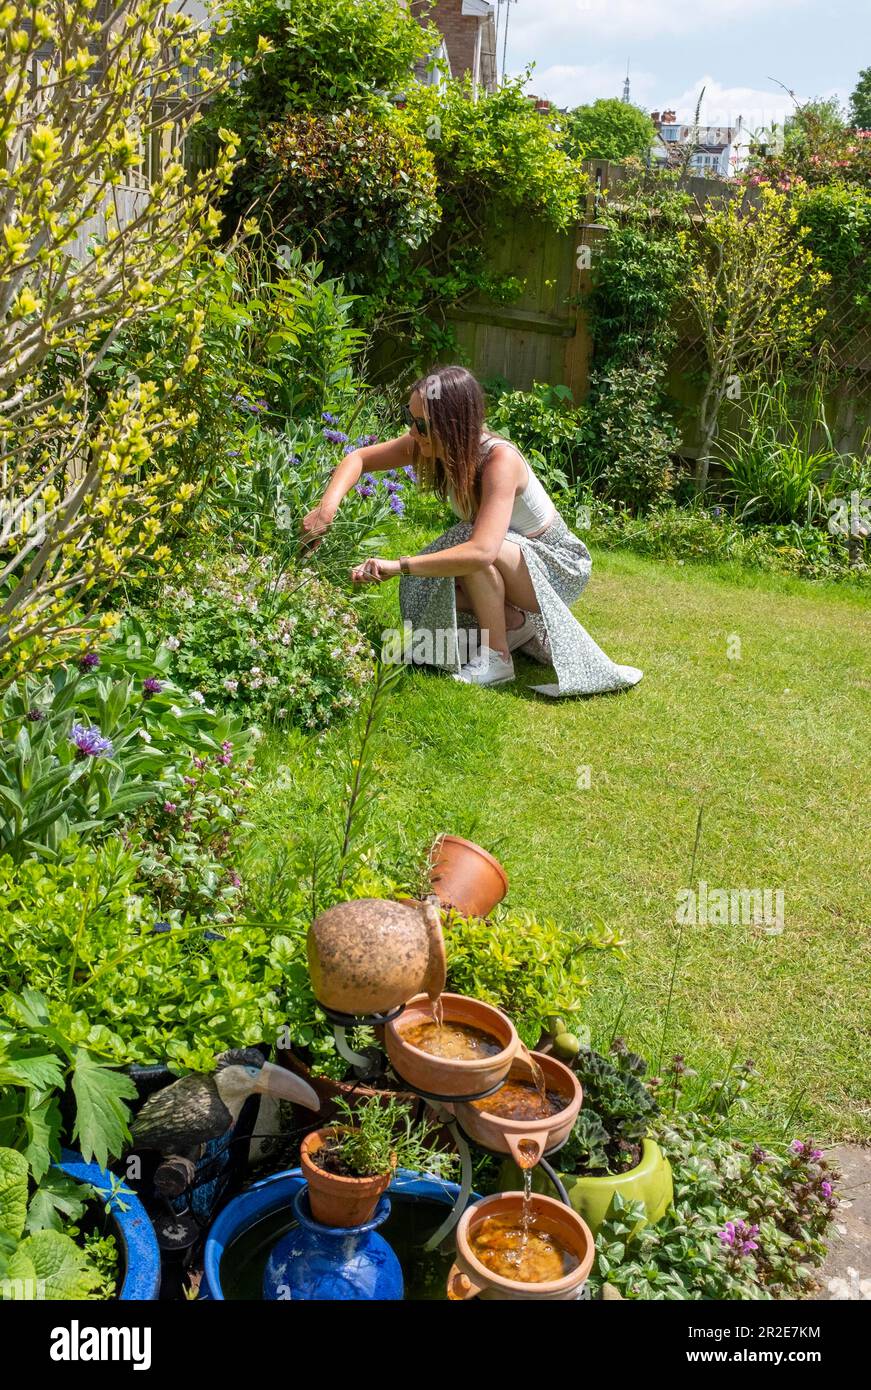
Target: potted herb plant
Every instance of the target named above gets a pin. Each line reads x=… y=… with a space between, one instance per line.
x=609 y=1150
x=349 y=1166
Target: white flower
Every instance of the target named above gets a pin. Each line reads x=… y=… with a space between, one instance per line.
x=179 y=713
x=173 y=644
x=231 y=685
x=144 y=735
x=198 y=697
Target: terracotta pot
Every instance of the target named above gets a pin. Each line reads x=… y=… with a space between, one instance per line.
x=371 y=954
x=449 y=1078
x=335 y=1200
x=526 y=1140
x=466 y=877
x=468 y=1277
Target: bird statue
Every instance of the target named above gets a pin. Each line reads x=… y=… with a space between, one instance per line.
x=179 y=1119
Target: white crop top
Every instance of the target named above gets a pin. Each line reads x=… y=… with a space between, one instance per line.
x=533 y=511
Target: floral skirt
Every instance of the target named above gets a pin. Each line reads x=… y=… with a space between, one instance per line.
x=559 y=566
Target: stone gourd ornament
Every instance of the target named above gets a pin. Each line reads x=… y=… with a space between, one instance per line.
x=370 y=955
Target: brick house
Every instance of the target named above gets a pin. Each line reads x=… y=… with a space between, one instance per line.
x=468 y=30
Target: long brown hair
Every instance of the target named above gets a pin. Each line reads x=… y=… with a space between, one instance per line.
x=453 y=407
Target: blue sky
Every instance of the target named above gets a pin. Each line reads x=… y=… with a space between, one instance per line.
x=674 y=47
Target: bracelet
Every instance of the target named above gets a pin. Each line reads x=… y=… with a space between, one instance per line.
x=403 y=565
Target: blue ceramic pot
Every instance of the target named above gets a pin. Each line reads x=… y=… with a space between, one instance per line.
x=131 y=1226
x=341 y=1263
x=276 y=1193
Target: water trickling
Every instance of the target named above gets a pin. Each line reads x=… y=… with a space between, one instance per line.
x=527 y=1256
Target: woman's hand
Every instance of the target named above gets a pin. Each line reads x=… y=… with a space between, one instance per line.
x=375 y=571
x=316 y=524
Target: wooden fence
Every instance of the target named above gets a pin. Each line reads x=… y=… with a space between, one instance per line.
x=544 y=335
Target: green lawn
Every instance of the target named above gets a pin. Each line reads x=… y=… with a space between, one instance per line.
x=773 y=747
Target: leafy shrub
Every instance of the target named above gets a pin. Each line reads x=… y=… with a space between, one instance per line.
x=94 y=740
x=638 y=269
x=745 y=1224
x=714 y=537
x=631 y=440
x=282 y=645
x=548 y=428
x=361 y=188
x=616 y=1115
x=186 y=844
x=35 y=1262
x=326 y=55
x=119 y=982
x=528 y=967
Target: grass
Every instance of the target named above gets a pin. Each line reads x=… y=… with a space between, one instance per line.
x=772 y=747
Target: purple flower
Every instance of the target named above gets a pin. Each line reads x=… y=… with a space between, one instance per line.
x=797 y=1147
x=90 y=743
x=397 y=506
x=335 y=436
x=329 y=418
x=233 y=453
x=816 y=1154
x=738 y=1236
x=244 y=404
x=161 y=927
x=409 y=472
x=151 y=686
x=393 y=487
x=364 y=489
x=826 y=1188
x=363 y=440
x=35 y=715
x=170 y=808
x=88 y=661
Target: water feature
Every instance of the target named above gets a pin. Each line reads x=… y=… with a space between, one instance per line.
x=454 y=1041
x=522 y=1100
x=530 y=1256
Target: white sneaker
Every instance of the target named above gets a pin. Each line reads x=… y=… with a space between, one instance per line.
x=487 y=668
x=519 y=636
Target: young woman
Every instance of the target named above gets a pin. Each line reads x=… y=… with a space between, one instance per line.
x=507 y=571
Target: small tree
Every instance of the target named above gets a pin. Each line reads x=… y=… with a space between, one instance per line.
x=754 y=291
x=81 y=483
x=860 y=101
x=608 y=129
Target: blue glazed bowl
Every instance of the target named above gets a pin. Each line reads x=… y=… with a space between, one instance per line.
x=341 y=1263
x=132 y=1228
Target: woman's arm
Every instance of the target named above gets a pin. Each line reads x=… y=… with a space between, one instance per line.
x=373 y=458
x=498 y=491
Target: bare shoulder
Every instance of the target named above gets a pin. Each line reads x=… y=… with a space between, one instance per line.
x=503 y=465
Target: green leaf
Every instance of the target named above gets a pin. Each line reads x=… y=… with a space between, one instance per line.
x=101 y=1115
x=43 y=1073
x=58 y=1198
x=60 y=1268
x=13 y=1191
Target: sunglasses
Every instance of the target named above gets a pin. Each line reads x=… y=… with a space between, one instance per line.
x=415 y=420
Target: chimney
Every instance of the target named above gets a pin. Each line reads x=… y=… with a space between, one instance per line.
x=669 y=117
x=654 y=116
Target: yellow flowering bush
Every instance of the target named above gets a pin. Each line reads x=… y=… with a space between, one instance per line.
x=89 y=243
x=754 y=291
